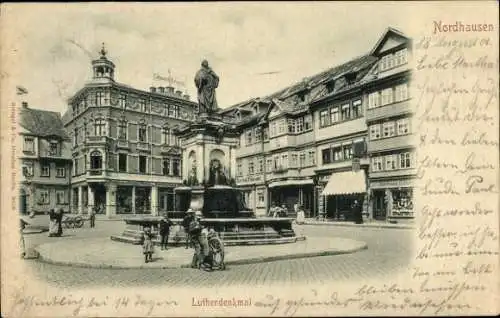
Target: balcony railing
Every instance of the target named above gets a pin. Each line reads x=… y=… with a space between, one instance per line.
x=96 y=139
x=95 y=172
x=280 y=169
x=143 y=146
x=122 y=143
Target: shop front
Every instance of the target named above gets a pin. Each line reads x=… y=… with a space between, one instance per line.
x=392 y=199
x=292 y=192
x=340 y=193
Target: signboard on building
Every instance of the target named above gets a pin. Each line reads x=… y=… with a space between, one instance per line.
x=405 y=183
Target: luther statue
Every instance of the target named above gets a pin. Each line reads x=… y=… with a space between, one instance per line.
x=206 y=82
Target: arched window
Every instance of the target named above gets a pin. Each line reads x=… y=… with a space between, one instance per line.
x=95 y=160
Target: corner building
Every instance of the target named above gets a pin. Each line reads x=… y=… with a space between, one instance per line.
x=125 y=157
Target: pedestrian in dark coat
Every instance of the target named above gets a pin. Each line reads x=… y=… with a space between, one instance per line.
x=356 y=212
x=93 y=212
x=165 y=224
x=59 y=222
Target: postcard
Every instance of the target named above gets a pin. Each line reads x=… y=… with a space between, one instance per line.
x=249 y=159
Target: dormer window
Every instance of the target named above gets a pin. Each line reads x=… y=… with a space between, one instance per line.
x=392 y=60
x=54 y=148
x=330 y=86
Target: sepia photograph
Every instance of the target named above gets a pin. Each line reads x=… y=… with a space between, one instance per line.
x=249 y=159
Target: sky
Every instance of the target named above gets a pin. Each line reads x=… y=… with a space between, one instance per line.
x=255 y=48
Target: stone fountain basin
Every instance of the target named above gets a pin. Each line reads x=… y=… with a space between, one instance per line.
x=234 y=231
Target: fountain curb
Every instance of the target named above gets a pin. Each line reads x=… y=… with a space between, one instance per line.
x=361 y=246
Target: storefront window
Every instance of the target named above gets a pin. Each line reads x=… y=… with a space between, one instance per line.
x=402 y=202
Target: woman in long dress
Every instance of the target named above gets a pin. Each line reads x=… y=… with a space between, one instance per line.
x=53 y=225
x=300 y=215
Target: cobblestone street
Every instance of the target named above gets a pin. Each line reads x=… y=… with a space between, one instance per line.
x=388 y=251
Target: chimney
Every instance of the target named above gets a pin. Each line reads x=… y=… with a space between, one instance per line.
x=170 y=90
x=178 y=93
x=24 y=104
x=161 y=89
x=152 y=89
x=186 y=96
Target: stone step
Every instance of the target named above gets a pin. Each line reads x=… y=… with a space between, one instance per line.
x=252 y=241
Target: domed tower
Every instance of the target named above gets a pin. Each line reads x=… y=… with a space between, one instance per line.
x=104 y=69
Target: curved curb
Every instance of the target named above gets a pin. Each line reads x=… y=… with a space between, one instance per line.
x=361 y=246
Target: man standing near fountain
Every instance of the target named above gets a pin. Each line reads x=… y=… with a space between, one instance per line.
x=206 y=82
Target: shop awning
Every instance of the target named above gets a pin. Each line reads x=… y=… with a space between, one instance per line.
x=290 y=183
x=349 y=182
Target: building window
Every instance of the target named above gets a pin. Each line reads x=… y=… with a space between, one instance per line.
x=28 y=170
x=386 y=96
x=142 y=104
x=75 y=137
x=346 y=112
x=165 y=136
x=281 y=126
x=326 y=154
x=269 y=164
x=166 y=166
x=312 y=157
x=29 y=144
x=265 y=133
x=374 y=100
x=122 y=162
x=95 y=160
x=375 y=132
x=122 y=130
x=45 y=172
x=239 y=169
x=302 y=159
x=143 y=164
x=99 y=127
x=248 y=135
x=142 y=133
x=308 y=122
x=54 y=148
x=75 y=165
x=357 y=110
x=401 y=92
x=293 y=160
x=273 y=129
x=122 y=101
x=323 y=118
x=390 y=162
x=284 y=161
x=300 y=124
x=85 y=130
x=60 y=197
x=334 y=115
x=176 y=167
x=337 y=154
x=258 y=135
x=99 y=98
x=377 y=164
x=250 y=167
x=405 y=160
x=276 y=161
x=403 y=126
x=389 y=129
x=347 y=152
x=260 y=198
x=43 y=197
x=260 y=165
x=60 y=172
x=291 y=125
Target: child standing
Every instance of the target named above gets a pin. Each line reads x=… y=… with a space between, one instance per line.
x=147 y=245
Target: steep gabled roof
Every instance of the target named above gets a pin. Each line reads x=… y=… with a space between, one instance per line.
x=381 y=41
x=43 y=123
